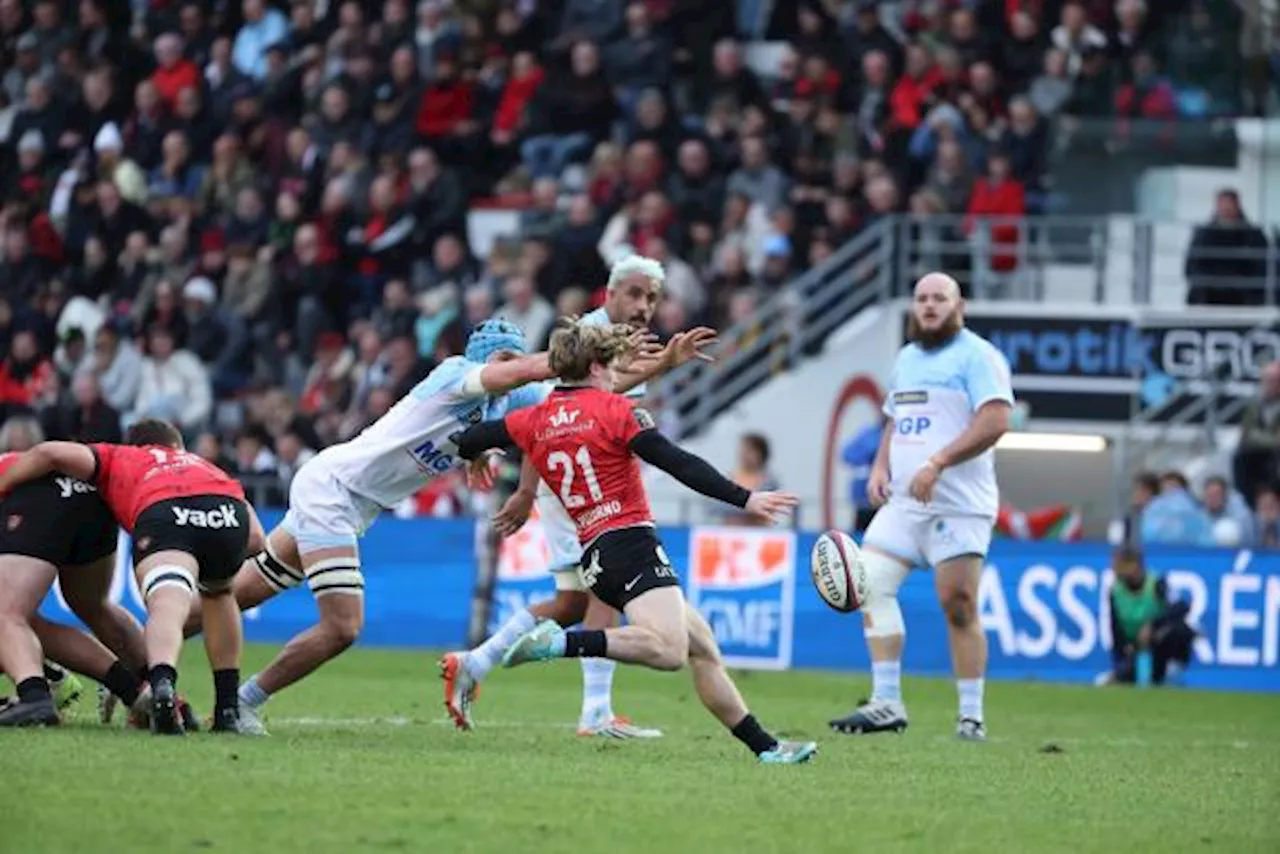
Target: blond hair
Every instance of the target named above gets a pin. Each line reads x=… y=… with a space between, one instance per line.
x=575 y=347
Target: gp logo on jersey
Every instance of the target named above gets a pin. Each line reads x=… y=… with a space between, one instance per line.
x=912 y=425
x=431 y=458
x=743 y=581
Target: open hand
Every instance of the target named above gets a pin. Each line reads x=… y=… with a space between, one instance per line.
x=926 y=478
x=771 y=506
x=514 y=513
x=480 y=471
x=687 y=346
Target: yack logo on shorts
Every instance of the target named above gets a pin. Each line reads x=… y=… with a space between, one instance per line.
x=220 y=517
x=743 y=581
x=69 y=486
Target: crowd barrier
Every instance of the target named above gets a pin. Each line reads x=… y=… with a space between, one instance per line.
x=1044 y=605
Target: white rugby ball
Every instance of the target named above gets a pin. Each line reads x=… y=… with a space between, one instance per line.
x=838 y=574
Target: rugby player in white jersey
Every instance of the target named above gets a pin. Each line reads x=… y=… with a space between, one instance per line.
x=633 y=292
x=339 y=493
x=934 y=482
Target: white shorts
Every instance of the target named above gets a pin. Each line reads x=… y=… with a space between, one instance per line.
x=928 y=539
x=562 y=540
x=324 y=513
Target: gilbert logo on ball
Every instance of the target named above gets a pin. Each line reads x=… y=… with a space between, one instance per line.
x=836 y=567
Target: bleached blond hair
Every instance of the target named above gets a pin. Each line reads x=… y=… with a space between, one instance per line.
x=632 y=265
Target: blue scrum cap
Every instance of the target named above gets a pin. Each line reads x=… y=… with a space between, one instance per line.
x=490 y=337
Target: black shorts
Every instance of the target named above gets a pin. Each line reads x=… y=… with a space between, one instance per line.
x=57 y=519
x=213 y=529
x=620 y=565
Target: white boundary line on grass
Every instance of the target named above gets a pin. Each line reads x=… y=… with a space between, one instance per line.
x=398 y=721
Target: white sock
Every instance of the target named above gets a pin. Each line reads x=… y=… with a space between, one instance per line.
x=886 y=681
x=597 y=688
x=483 y=658
x=970 y=698
x=251 y=693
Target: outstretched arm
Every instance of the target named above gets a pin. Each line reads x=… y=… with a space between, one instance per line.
x=683 y=347
x=69 y=458
x=478 y=438
x=690 y=469
x=501 y=377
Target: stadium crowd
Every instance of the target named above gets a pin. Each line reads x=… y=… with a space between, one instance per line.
x=251 y=217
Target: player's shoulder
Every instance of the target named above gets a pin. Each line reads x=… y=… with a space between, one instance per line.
x=444 y=377
x=598 y=317
x=975 y=347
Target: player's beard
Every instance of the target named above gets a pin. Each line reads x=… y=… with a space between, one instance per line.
x=932 y=339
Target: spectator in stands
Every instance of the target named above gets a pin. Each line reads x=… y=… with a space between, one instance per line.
x=526 y=308
x=1226 y=263
x=117 y=366
x=1151 y=640
x=1147 y=95
x=1051 y=90
x=641 y=59
x=1076 y=36
x=1228 y=512
x=858 y=454
x=174 y=385
x=26 y=375
x=86 y=417
x=1257 y=457
x=1174 y=517
x=1267 y=517
x=1204 y=66
x=263 y=27
x=217 y=337
x=759 y=180
x=752 y=472
x=998 y=200
x=569 y=114
x=20 y=433
x=1092 y=95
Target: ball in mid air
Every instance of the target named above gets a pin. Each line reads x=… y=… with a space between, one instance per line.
x=838 y=574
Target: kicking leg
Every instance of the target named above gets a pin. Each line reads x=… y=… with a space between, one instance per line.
x=722 y=698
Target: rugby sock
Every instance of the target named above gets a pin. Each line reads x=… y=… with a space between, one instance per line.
x=54 y=672
x=583 y=644
x=224 y=688
x=162 y=671
x=483 y=658
x=970 y=698
x=120 y=681
x=749 y=732
x=597 y=688
x=33 y=690
x=886 y=681
x=251 y=693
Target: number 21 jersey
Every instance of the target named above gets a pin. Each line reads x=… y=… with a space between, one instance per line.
x=579 y=441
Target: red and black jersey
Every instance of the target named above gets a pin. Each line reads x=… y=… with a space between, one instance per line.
x=131 y=478
x=579 y=439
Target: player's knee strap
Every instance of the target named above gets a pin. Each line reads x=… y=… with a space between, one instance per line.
x=336 y=575
x=276 y=572
x=169 y=575
x=881 y=613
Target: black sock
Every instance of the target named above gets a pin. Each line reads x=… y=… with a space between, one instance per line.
x=585 y=644
x=121 y=681
x=226 y=684
x=33 y=690
x=162 y=671
x=53 y=672
x=750 y=733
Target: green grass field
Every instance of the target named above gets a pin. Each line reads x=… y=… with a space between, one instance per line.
x=362 y=760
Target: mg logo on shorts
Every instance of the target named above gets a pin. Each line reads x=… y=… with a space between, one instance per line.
x=743 y=581
x=220 y=517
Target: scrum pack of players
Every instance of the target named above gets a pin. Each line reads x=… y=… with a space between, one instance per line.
x=201 y=557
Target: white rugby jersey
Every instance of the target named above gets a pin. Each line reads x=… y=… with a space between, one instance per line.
x=396 y=455
x=600 y=317
x=933 y=395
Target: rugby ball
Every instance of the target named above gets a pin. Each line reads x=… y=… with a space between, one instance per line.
x=838 y=574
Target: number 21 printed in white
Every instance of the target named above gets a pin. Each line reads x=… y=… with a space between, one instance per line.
x=561 y=460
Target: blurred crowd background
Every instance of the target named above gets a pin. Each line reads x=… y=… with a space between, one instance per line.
x=251 y=217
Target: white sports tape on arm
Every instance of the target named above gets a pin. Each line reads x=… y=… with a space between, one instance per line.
x=472 y=384
x=881 y=613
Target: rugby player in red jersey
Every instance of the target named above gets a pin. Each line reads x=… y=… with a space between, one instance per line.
x=584 y=441
x=191 y=528
x=58 y=527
